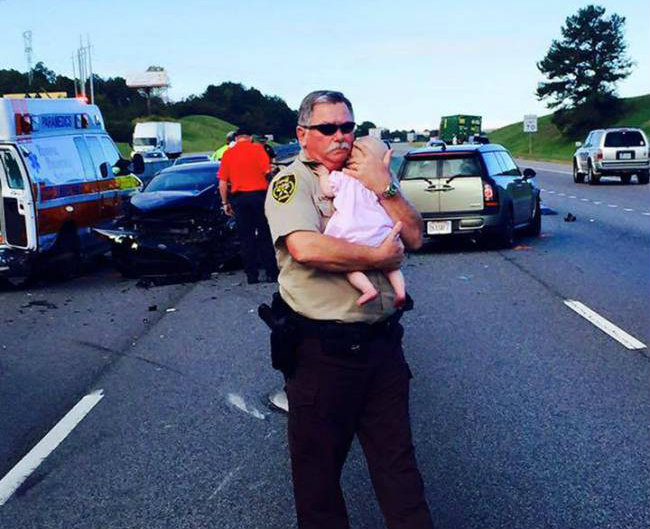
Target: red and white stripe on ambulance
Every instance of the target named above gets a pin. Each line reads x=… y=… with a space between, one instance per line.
x=58 y=146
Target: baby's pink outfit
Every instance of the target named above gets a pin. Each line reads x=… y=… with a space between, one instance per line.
x=359 y=217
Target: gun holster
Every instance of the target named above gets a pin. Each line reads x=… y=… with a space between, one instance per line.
x=285 y=334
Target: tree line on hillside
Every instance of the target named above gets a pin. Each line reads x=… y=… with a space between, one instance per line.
x=121 y=105
x=582 y=69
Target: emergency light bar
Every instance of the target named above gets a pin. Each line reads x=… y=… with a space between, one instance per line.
x=81 y=121
x=23 y=124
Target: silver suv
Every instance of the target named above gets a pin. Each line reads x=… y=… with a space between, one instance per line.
x=619 y=152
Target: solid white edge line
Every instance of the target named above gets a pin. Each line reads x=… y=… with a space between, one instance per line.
x=17 y=475
x=628 y=341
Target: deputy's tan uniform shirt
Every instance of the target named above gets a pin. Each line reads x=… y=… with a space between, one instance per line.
x=294 y=202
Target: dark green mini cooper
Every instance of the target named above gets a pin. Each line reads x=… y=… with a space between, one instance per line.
x=471 y=189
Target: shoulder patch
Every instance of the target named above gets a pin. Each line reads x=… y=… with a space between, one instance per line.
x=284 y=188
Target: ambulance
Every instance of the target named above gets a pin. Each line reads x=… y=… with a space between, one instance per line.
x=60 y=176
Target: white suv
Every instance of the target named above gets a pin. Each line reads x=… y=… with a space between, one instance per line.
x=612 y=152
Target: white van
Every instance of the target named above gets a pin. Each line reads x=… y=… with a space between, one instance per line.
x=53 y=154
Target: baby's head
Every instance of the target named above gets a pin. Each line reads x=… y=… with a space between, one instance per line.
x=374 y=146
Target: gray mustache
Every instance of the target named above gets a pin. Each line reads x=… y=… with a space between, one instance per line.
x=339 y=145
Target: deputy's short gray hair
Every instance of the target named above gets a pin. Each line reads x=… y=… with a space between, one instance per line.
x=320 y=96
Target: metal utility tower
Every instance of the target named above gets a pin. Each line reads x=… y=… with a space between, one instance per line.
x=27 y=39
x=82 y=65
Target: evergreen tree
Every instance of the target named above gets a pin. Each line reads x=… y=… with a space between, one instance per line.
x=364 y=128
x=582 y=69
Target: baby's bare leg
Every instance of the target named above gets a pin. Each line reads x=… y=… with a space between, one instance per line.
x=360 y=281
x=396 y=279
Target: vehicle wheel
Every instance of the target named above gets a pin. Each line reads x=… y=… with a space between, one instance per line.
x=535 y=226
x=578 y=177
x=592 y=178
x=65 y=262
x=124 y=263
x=643 y=177
x=505 y=239
x=15 y=282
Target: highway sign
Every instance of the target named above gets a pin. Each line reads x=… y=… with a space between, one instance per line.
x=530 y=123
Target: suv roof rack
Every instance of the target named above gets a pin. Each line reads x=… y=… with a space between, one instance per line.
x=437 y=143
x=480 y=139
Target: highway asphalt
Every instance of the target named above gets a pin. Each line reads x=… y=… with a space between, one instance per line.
x=524 y=412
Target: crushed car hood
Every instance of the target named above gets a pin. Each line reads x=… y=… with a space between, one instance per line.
x=154 y=200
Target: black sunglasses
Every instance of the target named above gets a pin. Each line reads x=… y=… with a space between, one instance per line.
x=327 y=129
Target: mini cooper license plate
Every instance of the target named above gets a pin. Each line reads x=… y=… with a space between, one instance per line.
x=438 y=227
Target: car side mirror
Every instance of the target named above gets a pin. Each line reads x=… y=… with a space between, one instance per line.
x=578 y=144
x=104 y=169
x=529 y=173
x=138 y=163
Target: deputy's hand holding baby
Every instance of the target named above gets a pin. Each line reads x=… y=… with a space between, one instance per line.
x=371 y=170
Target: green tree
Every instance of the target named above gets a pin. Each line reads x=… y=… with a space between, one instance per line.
x=582 y=69
x=362 y=130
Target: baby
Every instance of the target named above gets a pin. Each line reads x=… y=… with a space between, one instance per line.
x=360 y=218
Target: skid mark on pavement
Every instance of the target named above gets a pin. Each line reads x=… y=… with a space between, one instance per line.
x=108 y=350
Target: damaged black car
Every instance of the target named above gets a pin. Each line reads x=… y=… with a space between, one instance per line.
x=176 y=226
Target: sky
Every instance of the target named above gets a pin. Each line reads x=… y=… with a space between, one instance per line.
x=403 y=64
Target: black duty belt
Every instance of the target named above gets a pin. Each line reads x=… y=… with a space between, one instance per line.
x=354 y=332
x=352 y=340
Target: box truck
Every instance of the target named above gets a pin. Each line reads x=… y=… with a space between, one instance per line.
x=458 y=128
x=164 y=136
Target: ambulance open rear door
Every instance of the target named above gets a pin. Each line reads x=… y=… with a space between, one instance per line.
x=17 y=219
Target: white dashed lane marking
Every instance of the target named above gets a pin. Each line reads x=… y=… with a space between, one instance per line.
x=23 y=469
x=594 y=202
x=627 y=340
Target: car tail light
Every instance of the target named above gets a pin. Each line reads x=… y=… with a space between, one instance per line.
x=490 y=196
x=599 y=155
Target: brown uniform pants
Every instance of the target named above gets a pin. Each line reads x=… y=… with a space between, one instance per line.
x=332 y=397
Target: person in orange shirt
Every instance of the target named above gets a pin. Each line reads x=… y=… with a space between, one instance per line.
x=245 y=167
